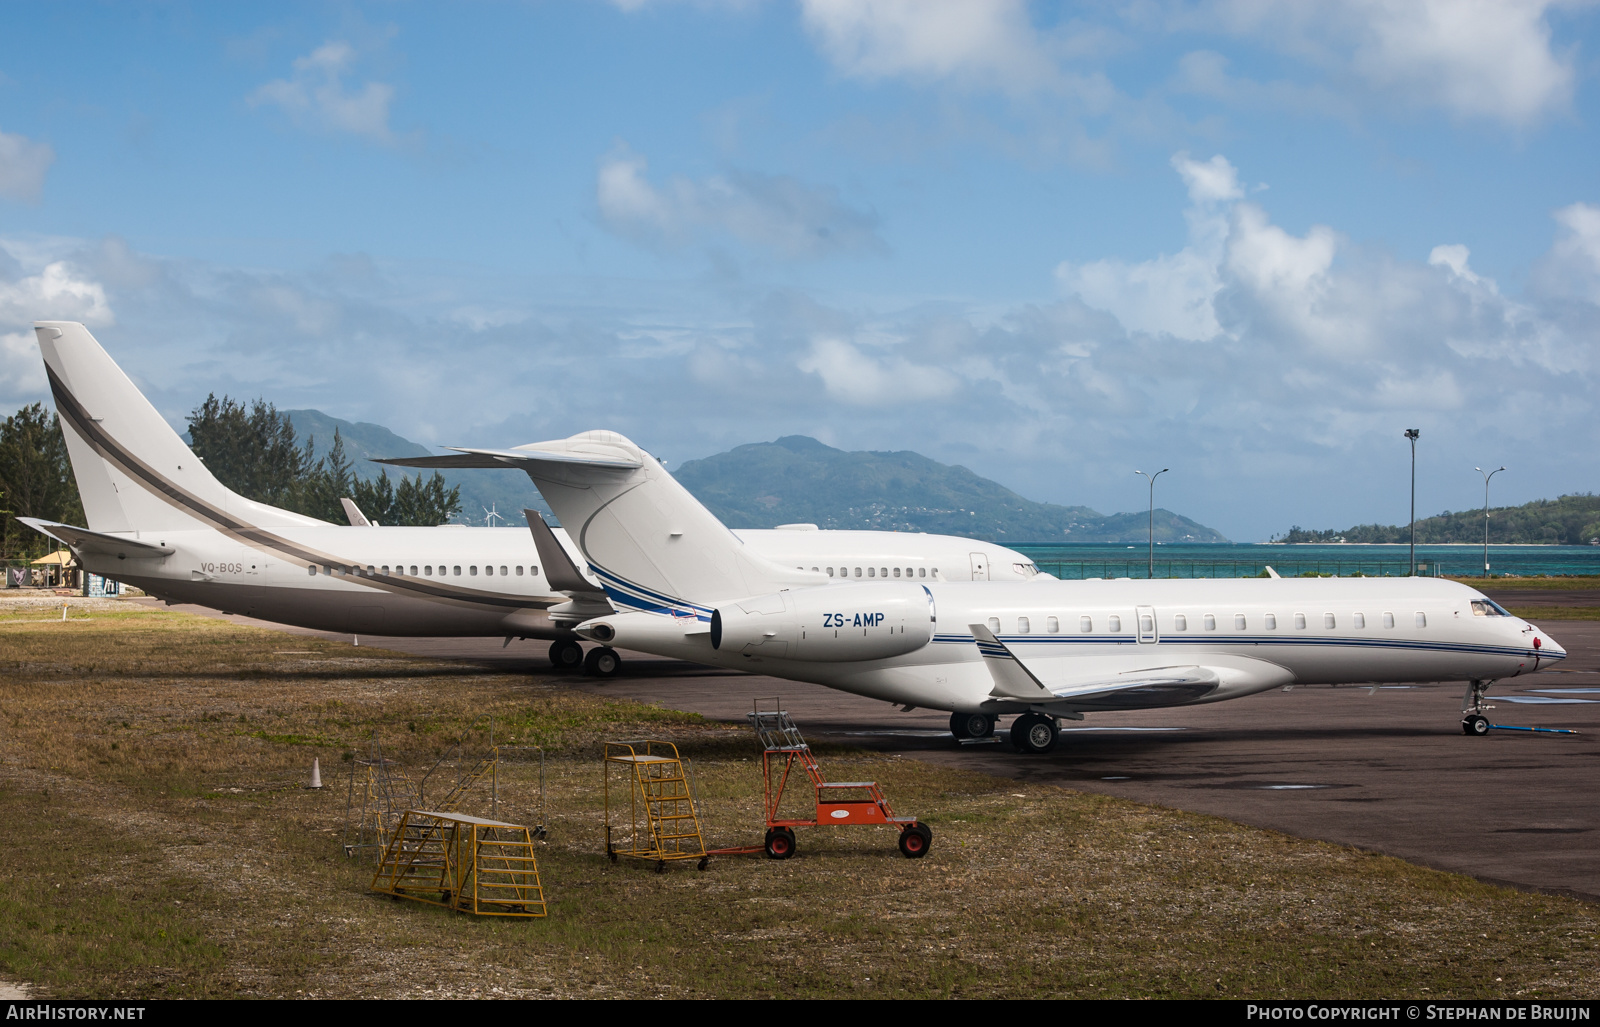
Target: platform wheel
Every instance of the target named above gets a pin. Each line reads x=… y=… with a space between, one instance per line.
x=705 y=861
x=602 y=662
x=971 y=725
x=566 y=654
x=1477 y=724
x=780 y=843
x=915 y=841
x=1033 y=733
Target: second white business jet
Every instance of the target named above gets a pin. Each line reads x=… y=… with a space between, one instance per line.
x=1042 y=650
x=159 y=520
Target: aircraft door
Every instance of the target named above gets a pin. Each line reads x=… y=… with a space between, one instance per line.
x=980 y=567
x=1146 y=616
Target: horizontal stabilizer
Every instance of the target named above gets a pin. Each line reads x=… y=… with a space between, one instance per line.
x=522 y=456
x=85 y=541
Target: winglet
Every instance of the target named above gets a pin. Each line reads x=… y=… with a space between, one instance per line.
x=353 y=514
x=1012 y=679
x=1272 y=573
x=559 y=569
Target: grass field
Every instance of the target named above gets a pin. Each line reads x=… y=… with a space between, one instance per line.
x=159 y=843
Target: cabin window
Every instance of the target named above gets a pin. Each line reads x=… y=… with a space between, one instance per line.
x=312 y=570
x=1388 y=620
x=858 y=572
x=1270 y=621
x=489 y=570
x=472 y=569
x=1359 y=620
x=883 y=572
x=1180 y=623
x=458 y=570
x=1147 y=623
x=428 y=570
x=371 y=570
x=1114 y=623
x=1052 y=625
x=1238 y=622
x=994 y=624
x=1299 y=622
x=897 y=572
x=1023 y=626
x=1422 y=619
x=503 y=570
x=1085 y=624
x=872 y=571
x=1328 y=621
x=413 y=570
x=829 y=570
x=519 y=570
x=922 y=572
x=911 y=572
x=384 y=569
x=1211 y=622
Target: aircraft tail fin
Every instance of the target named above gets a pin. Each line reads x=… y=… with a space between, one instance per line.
x=134 y=473
x=652 y=544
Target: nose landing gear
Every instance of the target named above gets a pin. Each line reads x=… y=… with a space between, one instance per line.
x=1473 y=722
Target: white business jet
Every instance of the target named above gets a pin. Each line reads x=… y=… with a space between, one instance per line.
x=159 y=520
x=1043 y=650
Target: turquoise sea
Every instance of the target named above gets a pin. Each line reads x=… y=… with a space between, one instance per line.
x=1120 y=560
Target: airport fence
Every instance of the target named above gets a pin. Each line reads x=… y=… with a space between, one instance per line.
x=1078 y=570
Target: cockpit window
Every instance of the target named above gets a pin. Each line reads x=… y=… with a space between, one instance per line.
x=1488 y=608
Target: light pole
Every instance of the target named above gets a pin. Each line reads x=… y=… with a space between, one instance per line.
x=1486 y=476
x=1412 y=433
x=1152 y=569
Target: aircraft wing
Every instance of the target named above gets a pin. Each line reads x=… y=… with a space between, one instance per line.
x=1135 y=689
x=559 y=569
x=85 y=541
x=458 y=461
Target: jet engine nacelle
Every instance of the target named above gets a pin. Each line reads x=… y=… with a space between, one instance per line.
x=833 y=624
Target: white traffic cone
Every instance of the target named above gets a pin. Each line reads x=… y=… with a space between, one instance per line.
x=316 y=773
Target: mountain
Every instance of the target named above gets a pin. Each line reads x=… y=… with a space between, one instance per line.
x=1571 y=520
x=507 y=492
x=800 y=480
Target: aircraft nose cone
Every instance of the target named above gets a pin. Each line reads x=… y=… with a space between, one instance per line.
x=1547 y=646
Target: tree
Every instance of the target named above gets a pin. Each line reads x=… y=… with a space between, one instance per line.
x=424 y=503
x=325 y=483
x=251 y=451
x=35 y=479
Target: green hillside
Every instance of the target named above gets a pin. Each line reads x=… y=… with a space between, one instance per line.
x=507 y=492
x=1571 y=520
x=799 y=480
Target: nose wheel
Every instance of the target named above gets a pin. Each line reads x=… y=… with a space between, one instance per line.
x=1473 y=722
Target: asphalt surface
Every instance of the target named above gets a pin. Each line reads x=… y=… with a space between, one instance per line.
x=1384 y=769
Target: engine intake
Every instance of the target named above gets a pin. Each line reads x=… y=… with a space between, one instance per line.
x=831 y=624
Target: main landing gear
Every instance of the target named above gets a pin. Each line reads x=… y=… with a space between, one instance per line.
x=971 y=725
x=601 y=662
x=1473 y=722
x=1033 y=733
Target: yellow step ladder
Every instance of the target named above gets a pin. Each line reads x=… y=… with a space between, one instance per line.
x=662 y=824
x=468 y=864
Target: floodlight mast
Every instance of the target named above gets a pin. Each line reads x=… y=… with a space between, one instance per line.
x=1151 y=570
x=1412 y=433
x=1486 y=476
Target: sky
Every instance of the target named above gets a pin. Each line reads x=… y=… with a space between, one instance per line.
x=1249 y=241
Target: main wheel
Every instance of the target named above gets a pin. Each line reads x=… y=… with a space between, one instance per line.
x=1033 y=733
x=915 y=841
x=971 y=725
x=1477 y=724
x=602 y=662
x=565 y=654
x=780 y=843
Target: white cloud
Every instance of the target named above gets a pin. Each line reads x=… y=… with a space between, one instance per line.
x=1491 y=59
x=773 y=212
x=853 y=377
x=55 y=291
x=23 y=164
x=1572 y=268
x=991 y=42
x=316 y=95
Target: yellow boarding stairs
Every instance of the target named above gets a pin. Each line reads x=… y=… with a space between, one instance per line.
x=469 y=864
x=662 y=824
